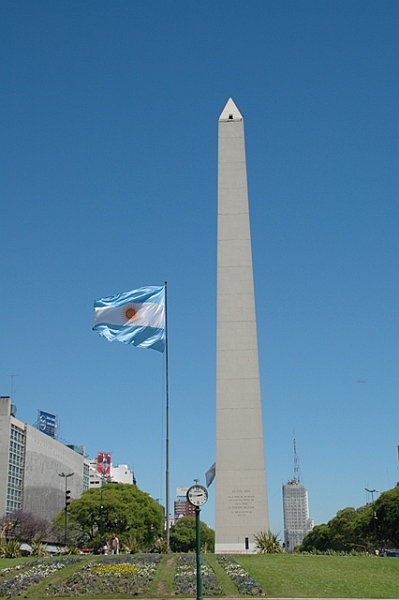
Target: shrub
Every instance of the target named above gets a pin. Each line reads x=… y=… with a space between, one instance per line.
x=11 y=549
x=131 y=545
x=38 y=549
x=267 y=543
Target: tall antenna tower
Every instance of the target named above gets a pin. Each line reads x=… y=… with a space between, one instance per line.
x=296 y=463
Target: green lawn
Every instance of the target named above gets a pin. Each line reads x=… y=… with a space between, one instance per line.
x=288 y=576
x=281 y=576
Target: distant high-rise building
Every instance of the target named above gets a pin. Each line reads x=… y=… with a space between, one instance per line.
x=296 y=510
x=296 y=514
x=183 y=508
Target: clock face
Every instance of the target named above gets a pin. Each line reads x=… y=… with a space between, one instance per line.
x=197 y=495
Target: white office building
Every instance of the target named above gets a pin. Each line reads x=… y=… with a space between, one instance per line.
x=296 y=514
x=122 y=474
x=36 y=469
x=118 y=474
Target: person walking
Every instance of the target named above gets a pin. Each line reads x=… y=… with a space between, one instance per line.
x=114 y=544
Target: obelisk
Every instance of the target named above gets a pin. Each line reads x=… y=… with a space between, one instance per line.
x=241 y=496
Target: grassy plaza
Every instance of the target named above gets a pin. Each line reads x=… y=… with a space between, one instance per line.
x=173 y=575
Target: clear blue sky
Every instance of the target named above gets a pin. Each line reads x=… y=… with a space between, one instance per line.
x=108 y=182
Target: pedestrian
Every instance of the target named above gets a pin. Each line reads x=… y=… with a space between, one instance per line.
x=105 y=547
x=159 y=544
x=114 y=544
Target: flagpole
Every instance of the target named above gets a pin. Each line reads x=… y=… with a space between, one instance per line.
x=167 y=416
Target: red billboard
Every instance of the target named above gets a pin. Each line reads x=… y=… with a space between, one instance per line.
x=104 y=464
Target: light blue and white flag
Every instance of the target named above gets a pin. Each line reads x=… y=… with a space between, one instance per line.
x=136 y=317
x=210 y=475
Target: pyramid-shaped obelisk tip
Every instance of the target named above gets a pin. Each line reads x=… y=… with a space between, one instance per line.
x=230 y=112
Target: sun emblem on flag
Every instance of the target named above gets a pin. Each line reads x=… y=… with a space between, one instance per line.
x=130 y=312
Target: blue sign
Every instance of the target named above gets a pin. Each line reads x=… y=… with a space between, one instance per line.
x=47 y=423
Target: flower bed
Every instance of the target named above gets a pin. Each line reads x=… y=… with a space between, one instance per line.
x=9 y=570
x=245 y=583
x=34 y=574
x=113 y=575
x=186 y=577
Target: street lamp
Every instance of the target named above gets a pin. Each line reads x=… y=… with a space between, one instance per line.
x=101 y=509
x=67 y=502
x=104 y=479
x=372 y=492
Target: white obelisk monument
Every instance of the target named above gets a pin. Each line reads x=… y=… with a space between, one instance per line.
x=241 y=496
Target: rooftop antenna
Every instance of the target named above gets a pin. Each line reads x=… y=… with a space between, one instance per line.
x=12 y=385
x=296 y=463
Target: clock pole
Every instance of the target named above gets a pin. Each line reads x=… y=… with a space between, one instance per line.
x=198 y=551
x=197 y=495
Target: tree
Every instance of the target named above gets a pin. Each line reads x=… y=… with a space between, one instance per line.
x=387 y=522
x=183 y=536
x=359 y=529
x=348 y=529
x=317 y=539
x=116 y=507
x=25 y=526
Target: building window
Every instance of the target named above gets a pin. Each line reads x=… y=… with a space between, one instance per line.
x=15 y=469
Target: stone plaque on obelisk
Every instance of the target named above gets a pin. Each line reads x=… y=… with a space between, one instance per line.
x=241 y=496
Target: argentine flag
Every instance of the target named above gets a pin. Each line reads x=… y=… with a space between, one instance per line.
x=136 y=317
